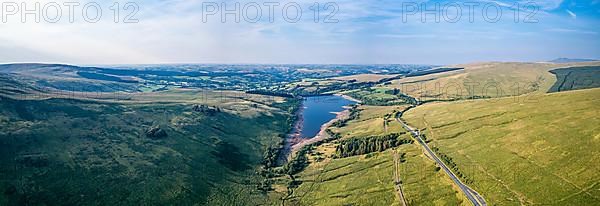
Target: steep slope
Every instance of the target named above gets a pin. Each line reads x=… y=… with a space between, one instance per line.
x=539 y=150
x=184 y=150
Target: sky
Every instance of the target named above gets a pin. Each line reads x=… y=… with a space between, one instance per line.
x=342 y=32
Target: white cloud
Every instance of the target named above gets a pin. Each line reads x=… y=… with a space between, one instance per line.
x=545 y=4
x=572 y=31
x=407 y=36
x=172 y=31
x=573 y=15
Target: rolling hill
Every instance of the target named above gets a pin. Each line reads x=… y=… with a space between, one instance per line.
x=531 y=147
x=518 y=133
x=540 y=150
x=185 y=146
x=484 y=80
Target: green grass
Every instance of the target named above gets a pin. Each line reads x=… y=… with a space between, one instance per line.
x=376 y=96
x=535 y=149
x=355 y=180
x=539 y=150
x=359 y=180
x=423 y=184
x=364 y=77
x=84 y=152
x=528 y=149
x=483 y=80
x=368 y=179
x=371 y=122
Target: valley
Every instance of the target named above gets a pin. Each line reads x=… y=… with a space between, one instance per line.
x=216 y=134
x=111 y=155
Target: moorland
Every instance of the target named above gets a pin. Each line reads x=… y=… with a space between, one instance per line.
x=517 y=133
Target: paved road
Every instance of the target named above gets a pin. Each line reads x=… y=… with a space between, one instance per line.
x=471 y=194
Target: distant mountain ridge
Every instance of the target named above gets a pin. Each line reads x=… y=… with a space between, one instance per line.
x=29 y=66
x=569 y=60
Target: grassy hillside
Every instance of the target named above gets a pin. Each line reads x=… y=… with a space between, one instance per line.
x=357 y=180
x=506 y=148
x=364 y=77
x=371 y=121
x=423 y=183
x=483 y=80
x=533 y=148
x=369 y=179
x=539 y=150
x=197 y=147
x=181 y=146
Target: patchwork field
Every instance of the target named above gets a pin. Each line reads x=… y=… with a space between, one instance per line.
x=365 y=77
x=540 y=150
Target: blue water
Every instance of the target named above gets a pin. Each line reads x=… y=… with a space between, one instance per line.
x=318 y=111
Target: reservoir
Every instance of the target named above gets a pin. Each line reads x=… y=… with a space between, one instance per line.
x=319 y=110
x=316 y=111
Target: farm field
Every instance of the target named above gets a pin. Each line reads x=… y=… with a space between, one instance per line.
x=364 y=77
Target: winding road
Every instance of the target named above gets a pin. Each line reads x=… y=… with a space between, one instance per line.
x=471 y=194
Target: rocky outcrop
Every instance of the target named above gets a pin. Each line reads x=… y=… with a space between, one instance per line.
x=207 y=110
x=156 y=132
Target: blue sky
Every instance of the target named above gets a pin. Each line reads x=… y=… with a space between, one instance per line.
x=367 y=31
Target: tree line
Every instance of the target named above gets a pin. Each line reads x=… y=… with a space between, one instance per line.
x=365 y=145
x=450 y=162
x=271 y=93
x=354 y=114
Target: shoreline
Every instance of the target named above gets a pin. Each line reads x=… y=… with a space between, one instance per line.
x=322 y=135
x=293 y=142
x=349 y=98
x=294 y=135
